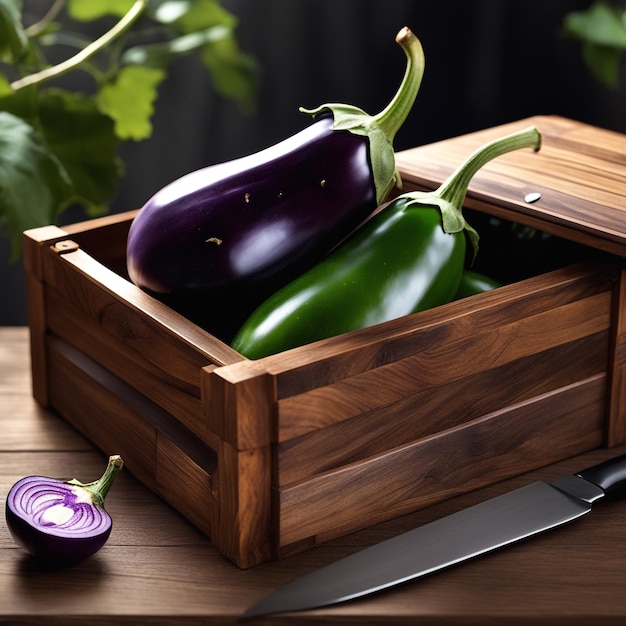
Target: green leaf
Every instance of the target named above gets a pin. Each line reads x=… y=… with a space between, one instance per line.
x=5 y=87
x=22 y=103
x=87 y=10
x=602 y=31
x=162 y=54
x=33 y=184
x=600 y=24
x=13 y=39
x=84 y=141
x=603 y=62
x=203 y=14
x=129 y=100
x=233 y=73
x=68 y=140
x=168 y=11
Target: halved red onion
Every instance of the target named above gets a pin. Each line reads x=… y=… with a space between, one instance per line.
x=58 y=521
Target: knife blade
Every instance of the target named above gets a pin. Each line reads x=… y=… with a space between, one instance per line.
x=471 y=532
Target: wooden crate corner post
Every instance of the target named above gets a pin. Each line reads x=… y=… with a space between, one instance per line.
x=616 y=418
x=239 y=403
x=34 y=241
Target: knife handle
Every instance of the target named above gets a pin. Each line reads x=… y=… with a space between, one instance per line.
x=610 y=476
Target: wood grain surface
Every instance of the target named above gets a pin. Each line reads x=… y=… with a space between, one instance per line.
x=158 y=569
x=578 y=172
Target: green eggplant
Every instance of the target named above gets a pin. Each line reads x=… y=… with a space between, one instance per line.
x=408 y=257
x=473 y=283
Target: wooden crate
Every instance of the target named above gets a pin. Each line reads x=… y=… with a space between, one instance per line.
x=273 y=456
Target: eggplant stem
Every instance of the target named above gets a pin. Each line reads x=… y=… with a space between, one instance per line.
x=99 y=488
x=391 y=118
x=455 y=187
x=380 y=129
x=450 y=195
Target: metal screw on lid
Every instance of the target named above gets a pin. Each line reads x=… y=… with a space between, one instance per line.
x=532 y=197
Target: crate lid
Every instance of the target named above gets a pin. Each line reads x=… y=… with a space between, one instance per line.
x=574 y=187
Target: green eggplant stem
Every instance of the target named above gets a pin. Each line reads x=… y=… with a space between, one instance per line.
x=455 y=187
x=450 y=195
x=99 y=488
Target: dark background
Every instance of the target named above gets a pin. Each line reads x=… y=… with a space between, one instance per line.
x=487 y=62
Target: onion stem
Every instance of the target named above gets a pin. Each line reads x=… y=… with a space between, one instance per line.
x=99 y=488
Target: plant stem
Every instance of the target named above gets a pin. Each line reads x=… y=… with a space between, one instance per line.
x=34 y=29
x=66 y=66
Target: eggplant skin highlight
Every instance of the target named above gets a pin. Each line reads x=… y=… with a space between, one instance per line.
x=245 y=220
x=262 y=219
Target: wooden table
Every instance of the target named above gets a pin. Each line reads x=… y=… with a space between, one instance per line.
x=158 y=569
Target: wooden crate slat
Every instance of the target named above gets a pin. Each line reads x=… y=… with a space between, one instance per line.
x=178 y=397
x=438 y=467
x=422 y=414
x=186 y=486
x=100 y=414
x=134 y=317
x=127 y=410
x=331 y=360
x=435 y=362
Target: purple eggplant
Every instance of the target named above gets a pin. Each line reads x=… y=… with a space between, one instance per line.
x=61 y=522
x=263 y=218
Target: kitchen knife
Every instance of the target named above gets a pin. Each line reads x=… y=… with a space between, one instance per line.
x=471 y=532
